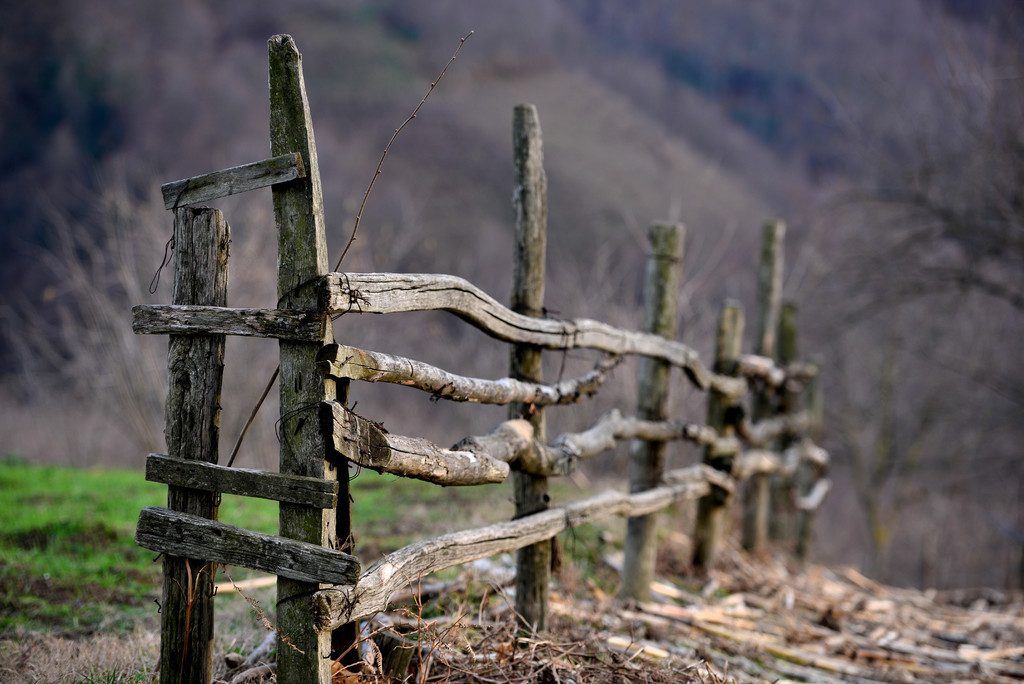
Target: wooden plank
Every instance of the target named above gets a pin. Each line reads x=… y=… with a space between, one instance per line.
x=283 y=324
x=301 y=260
x=365 y=443
x=195 y=370
x=407 y=565
x=389 y=293
x=181 y=534
x=647 y=457
x=340 y=361
x=237 y=179
x=208 y=477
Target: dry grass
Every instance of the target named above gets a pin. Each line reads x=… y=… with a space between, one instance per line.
x=100 y=658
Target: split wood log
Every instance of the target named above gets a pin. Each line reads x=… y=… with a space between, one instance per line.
x=191 y=536
x=367 y=444
x=340 y=361
x=310 y=491
x=387 y=293
x=384 y=578
x=237 y=179
x=163 y=319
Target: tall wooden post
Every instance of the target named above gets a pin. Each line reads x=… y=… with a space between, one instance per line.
x=533 y=563
x=303 y=655
x=195 y=366
x=807 y=474
x=647 y=459
x=757 y=500
x=711 y=508
x=784 y=489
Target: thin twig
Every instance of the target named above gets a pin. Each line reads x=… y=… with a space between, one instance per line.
x=366 y=195
x=252 y=416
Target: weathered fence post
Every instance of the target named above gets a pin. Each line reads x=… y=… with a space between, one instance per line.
x=808 y=473
x=757 y=501
x=785 y=488
x=303 y=655
x=646 y=458
x=195 y=365
x=533 y=563
x=711 y=508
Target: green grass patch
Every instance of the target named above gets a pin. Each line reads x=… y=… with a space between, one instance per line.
x=69 y=563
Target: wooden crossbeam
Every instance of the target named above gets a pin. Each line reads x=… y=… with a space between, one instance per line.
x=342 y=361
x=237 y=179
x=297 y=325
x=388 y=293
x=181 y=534
x=385 y=577
x=310 y=491
x=365 y=443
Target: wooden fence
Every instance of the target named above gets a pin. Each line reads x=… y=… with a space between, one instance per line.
x=322 y=590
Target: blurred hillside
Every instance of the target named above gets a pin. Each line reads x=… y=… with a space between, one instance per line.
x=887 y=135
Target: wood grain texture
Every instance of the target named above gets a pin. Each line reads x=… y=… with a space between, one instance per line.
x=407 y=565
x=365 y=443
x=389 y=293
x=231 y=181
x=530 y=491
x=301 y=260
x=166 y=531
x=340 y=361
x=241 y=481
x=647 y=457
x=195 y=371
x=284 y=324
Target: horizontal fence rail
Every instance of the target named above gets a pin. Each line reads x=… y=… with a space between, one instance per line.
x=388 y=293
x=371 y=594
x=343 y=362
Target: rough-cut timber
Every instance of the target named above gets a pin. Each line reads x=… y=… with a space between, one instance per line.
x=195 y=370
x=647 y=457
x=208 y=477
x=530 y=492
x=167 y=531
x=398 y=570
x=237 y=179
x=365 y=443
x=301 y=260
x=389 y=293
x=284 y=324
x=339 y=361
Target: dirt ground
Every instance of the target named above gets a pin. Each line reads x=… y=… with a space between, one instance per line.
x=753 y=619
